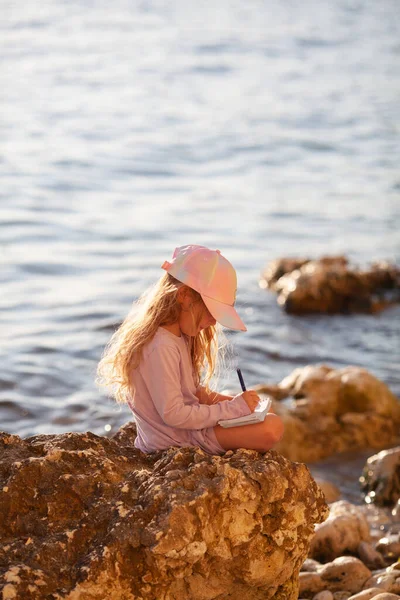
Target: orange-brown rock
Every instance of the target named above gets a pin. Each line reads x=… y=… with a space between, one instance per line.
x=86 y=517
x=380 y=480
x=329 y=411
x=330 y=285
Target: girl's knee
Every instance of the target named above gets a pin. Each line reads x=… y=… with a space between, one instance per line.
x=273 y=428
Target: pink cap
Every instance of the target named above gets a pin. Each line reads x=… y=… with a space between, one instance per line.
x=212 y=275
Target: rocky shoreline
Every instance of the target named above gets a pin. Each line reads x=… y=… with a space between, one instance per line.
x=85 y=517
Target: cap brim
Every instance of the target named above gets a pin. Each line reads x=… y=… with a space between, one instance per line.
x=225 y=314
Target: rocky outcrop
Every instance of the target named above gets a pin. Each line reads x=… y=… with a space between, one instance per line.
x=329 y=411
x=86 y=517
x=330 y=285
x=380 y=480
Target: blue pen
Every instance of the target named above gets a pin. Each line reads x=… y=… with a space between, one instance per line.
x=239 y=372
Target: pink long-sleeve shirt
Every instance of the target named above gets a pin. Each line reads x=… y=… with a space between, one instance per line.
x=166 y=409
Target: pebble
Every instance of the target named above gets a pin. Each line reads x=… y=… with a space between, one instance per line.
x=325 y=595
x=388 y=581
x=310 y=583
x=311 y=566
x=345 y=573
x=370 y=556
x=366 y=594
x=342 y=531
x=389 y=546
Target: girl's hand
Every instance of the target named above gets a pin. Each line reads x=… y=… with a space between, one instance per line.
x=251 y=398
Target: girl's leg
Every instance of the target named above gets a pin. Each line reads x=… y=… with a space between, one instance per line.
x=258 y=436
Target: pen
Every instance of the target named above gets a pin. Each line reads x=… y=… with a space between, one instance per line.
x=239 y=372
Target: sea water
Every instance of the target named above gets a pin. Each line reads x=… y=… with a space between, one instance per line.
x=264 y=129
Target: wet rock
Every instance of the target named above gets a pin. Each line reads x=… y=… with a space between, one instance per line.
x=335 y=411
x=389 y=546
x=345 y=573
x=83 y=516
x=330 y=285
x=342 y=532
x=366 y=594
x=380 y=480
x=387 y=580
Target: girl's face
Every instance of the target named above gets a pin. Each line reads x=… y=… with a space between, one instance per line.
x=194 y=316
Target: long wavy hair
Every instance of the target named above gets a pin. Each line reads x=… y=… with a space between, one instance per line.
x=156 y=307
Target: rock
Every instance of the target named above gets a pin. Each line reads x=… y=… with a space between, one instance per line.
x=310 y=566
x=366 y=594
x=342 y=532
x=386 y=596
x=380 y=480
x=331 y=491
x=342 y=595
x=370 y=556
x=389 y=546
x=387 y=580
x=345 y=573
x=330 y=286
x=310 y=584
x=335 y=411
x=324 y=595
x=84 y=516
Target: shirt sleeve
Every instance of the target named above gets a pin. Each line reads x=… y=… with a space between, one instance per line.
x=161 y=373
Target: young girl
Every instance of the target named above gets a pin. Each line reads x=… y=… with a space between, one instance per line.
x=156 y=359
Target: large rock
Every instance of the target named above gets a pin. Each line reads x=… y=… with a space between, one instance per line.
x=329 y=285
x=380 y=480
x=334 y=411
x=86 y=517
x=341 y=533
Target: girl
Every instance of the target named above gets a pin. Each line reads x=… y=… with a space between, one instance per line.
x=156 y=359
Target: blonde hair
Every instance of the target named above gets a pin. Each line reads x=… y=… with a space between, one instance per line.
x=156 y=307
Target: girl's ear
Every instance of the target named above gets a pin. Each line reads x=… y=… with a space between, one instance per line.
x=183 y=295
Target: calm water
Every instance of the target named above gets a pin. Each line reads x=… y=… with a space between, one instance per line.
x=263 y=129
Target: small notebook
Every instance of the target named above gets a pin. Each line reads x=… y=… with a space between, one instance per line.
x=256 y=417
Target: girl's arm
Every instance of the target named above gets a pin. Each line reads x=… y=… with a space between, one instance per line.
x=210 y=397
x=161 y=373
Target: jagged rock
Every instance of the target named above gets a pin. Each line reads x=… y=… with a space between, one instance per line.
x=334 y=411
x=380 y=480
x=329 y=285
x=342 y=532
x=86 y=517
